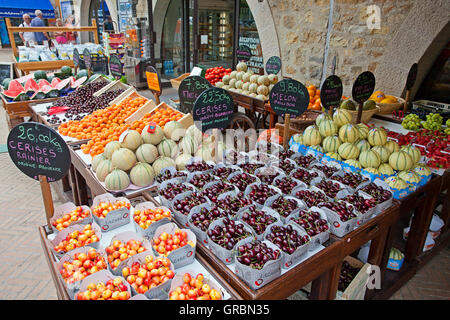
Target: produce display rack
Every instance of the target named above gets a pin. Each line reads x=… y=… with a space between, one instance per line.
x=27 y=67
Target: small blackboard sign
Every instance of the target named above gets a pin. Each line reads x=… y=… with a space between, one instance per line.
x=243 y=53
x=5 y=71
x=76 y=58
x=273 y=65
x=289 y=96
x=331 y=92
x=363 y=87
x=87 y=59
x=412 y=75
x=213 y=109
x=190 y=88
x=38 y=150
x=115 y=65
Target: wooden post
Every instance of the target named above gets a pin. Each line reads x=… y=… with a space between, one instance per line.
x=405 y=105
x=47 y=197
x=358 y=118
x=287 y=125
x=11 y=37
x=94 y=24
x=330 y=111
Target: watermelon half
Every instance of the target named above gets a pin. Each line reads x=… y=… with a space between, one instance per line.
x=31 y=87
x=15 y=85
x=63 y=84
x=55 y=82
x=22 y=97
x=75 y=84
x=38 y=95
x=43 y=83
x=12 y=94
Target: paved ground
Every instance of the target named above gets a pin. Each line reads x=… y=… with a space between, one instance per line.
x=24 y=273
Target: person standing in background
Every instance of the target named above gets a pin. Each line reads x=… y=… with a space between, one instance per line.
x=60 y=36
x=26 y=36
x=71 y=36
x=39 y=37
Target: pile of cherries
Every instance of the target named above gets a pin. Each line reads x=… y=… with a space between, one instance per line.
x=311 y=197
x=257 y=219
x=360 y=203
x=287 y=238
x=167 y=175
x=228 y=234
x=377 y=192
x=242 y=180
x=250 y=167
x=344 y=211
x=234 y=203
x=284 y=206
x=201 y=179
x=304 y=161
x=286 y=184
x=223 y=172
x=217 y=189
x=304 y=175
x=348 y=273
x=327 y=171
x=260 y=192
x=199 y=166
x=283 y=155
x=173 y=189
x=286 y=165
x=312 y=222
x=351 y=179
x=185 y=205
x=267 y=175
x=205 y=216
x=256 y=254
x=330 y=188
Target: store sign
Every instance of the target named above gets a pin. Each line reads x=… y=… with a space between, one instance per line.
x=213 y=109
x=363 y=87
x=331 y=92
x=256 y=62
x=243 y=53
x=189 y=90
x=153 y=81
x=273 y=65
x=289 y=96
x=87 y=59
x=412 y=75
x=115 y=65
x=76 y=58
x=38 y=150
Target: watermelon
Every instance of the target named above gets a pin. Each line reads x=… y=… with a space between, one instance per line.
x=5 y=82
x=53 y=93
x=22 y=97
x=55 y=81
x=43 y=82
x=82 y=73
x=61 y=75
x=75 y=84
x=63 y=85
x=31 y=87
x=15 y=86
x=40 y=75
x=38 y=95
x=66 y=70
x=45 y=88
x=11 y=94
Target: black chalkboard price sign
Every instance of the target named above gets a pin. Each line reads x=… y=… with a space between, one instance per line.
x=115 y=66
x=243 y=53
x=76 y=58
x=189 y=90
x=87 y=59
x=213 y=109
x=273 y=65
x=289 y=96
x=38 y=150
x=331 y=92
x=363 y=87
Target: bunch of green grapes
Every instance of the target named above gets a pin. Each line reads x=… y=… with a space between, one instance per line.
x=447 y=123
x=433 y=122
x=411 y=122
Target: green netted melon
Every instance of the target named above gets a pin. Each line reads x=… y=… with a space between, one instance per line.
x=147 y=153
x=117 y=180
x=123 y=159
x=142 y=174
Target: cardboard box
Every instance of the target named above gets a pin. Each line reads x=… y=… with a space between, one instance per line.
x=66 y=208
x=115 y=218
x=100 y=276
x=356 y=290
x=150 y=230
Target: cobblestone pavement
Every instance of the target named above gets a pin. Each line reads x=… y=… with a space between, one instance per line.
x=24 y=273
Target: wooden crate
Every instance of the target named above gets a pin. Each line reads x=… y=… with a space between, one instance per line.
x=113 y=85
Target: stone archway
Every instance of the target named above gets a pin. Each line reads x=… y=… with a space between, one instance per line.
x=261 y=12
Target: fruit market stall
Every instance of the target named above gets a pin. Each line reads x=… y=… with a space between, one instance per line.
x=50 y=63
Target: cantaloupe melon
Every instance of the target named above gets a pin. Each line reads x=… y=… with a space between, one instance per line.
x=161 y=163
x=204 y=152
x=363 y=130
x=168 y=148
x=400 y=161
x=353 y=163
x=369 y=159
x=142 y=174
x=110 y=148
x=348 y=133
x=383 y=152
x=174 y=130
x=362 y=145
x=195 y=133
x=386 y=169
x=132 y=139
x=181 y=160
x=331 y=143
x=103 y=169
x=96 y=160
x=334 y=155
x=409 y=176
x=327 y=128
x=413 y=152
x=153 y=138
x=341 y=117
x=123 y=159
x=117 y=180
x=321 y=117
x=188 y=145
x=311 y=136
x=348 y=151
x=147 y=153
x=377 y=137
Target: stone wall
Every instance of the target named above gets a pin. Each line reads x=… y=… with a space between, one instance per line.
x=407 y=29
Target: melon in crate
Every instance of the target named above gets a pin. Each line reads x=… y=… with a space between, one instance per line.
x=386 y=169
x=377 y=137
x=331 y=144
x=174 y=130
x=168 y=148
x=298 y=137
x=400 y=161
x=369 y=159
x=353 y=163
x=413 y=152
x=372 y=170
x=348 y=151
x=123 y=159
x=131 y=139
x=146 y=153
x=103 y=169
x=422 y=170
x=142 y=174
x=409 y=176
x=188 y=145
x=181 y=160
x=321 y=117
x=363 y=130
x=96 y=160
x=334 y=155
x=117 y=180
x=110 y=148
x=341 y=117
x=396 y=183
x=392 y=146
x=311 y=136
x=161 y=163
x=362 y=145
x=348 y=133
x=152 y=137
x=383 y=152
x=327 y=128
